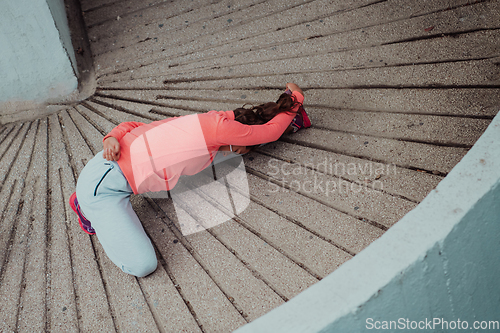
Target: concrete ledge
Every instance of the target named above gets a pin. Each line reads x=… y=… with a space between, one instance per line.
x=35 y=64
x=45 y=60
x=438 y=263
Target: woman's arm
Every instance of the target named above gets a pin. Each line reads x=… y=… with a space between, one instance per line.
x=231 y=132
x=111 y=142
x=236 y=133
x=119 y=131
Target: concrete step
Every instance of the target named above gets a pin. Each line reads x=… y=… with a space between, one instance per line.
x=362 y=39
x=77 y=289
x=333 y=70
x=16 y=219
x=95 y=4
x=459 y=102
x=33 y=293
x=102 y=14
x=403 y=28
x=173 y=19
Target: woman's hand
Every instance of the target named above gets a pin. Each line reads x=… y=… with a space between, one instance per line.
x=293 y=87
x=111 y=149
x=226 y=150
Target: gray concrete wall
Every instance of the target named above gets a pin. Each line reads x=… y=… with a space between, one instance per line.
x=58 y=11
x=436 y=269
x=35 y=53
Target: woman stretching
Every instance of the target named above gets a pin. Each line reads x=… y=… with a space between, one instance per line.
x=139 y=158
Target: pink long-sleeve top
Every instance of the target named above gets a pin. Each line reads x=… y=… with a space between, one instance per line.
x=154 y=156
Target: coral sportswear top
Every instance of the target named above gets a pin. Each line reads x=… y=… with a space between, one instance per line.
x=154 y=156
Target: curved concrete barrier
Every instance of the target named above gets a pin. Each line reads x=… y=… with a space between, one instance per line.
x=37 y=59
x=436 y=269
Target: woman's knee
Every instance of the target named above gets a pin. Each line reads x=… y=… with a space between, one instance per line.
x=144 y=267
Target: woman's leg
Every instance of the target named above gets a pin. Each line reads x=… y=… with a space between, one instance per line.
x=103 y=194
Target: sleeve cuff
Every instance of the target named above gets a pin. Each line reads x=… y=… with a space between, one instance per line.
x=298 y=96
x=230 y=115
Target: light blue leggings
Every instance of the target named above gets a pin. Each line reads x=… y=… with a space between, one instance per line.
x=103 y=193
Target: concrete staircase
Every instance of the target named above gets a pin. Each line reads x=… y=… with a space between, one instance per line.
x=397 y=91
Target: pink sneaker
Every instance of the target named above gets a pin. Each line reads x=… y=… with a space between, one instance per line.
x=301 y=120
x=84 y=223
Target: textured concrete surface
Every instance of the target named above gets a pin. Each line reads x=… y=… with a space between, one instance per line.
x=398 y=91
x=435 y=271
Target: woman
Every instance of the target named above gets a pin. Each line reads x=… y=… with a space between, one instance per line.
x=139 y=158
